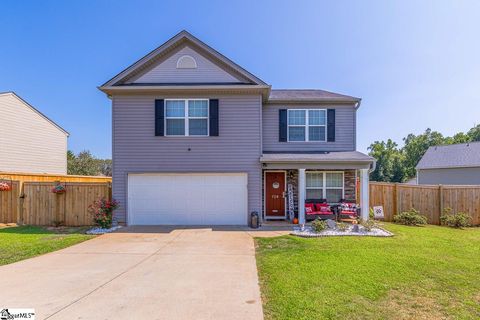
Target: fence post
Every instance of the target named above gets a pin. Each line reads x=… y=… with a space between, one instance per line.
x=395 y=199
x=109 y=191
x=20 y=203
x=440 y=200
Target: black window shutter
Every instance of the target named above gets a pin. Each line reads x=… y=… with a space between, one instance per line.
x=282 y=125
x=213 y=113
x=159 y=117
x=331 y=125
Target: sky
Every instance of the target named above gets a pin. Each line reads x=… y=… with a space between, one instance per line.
x=415 y=64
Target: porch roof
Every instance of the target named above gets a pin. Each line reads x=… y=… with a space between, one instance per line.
x=337 y=159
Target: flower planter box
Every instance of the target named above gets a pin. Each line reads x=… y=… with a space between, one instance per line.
x=59 y=189
x=5 y=186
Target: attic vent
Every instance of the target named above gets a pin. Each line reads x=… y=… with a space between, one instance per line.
x=186 y=62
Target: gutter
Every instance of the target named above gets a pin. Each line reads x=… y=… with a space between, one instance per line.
x=357 y=105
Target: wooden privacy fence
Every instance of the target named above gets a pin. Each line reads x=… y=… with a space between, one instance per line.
x=41 y=177
x=9 y=202
x=430 y=200
x=38 y=205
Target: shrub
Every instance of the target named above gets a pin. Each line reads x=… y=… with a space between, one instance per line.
x=319 y=225
x=458 y=220
x=102 y=211
x=342 y=226
x=369 y=224
x=410 y=218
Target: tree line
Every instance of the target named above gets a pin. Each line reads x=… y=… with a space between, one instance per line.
x=85 y=164
x=395 y=164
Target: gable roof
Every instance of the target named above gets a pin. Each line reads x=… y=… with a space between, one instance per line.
x=451 y=156
x=13 y=94
x=308 y=95
x=180 y=39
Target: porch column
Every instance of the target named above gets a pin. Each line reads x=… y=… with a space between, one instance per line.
x=301 y=197
x=364 y=194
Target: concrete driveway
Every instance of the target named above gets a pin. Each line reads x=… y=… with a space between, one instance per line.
x=141 y=273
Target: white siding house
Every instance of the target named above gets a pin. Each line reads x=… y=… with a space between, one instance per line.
x=29 y=141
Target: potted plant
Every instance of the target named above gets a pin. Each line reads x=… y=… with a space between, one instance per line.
x=102 y=210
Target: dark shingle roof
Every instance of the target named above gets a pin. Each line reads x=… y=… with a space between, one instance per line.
x=451 y=156
x=307 y=95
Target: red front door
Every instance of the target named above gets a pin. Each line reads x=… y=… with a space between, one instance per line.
x=275 y=194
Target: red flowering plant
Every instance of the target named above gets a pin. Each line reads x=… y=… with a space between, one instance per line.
x=58 y=189
x=5 y=186
x=102 y=210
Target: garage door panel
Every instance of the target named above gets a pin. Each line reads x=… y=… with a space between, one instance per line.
x=188 y=199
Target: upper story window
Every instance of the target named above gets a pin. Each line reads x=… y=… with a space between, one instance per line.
x=307 y=125
x=186 y=117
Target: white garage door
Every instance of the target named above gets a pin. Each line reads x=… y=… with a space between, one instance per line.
x=187 y=199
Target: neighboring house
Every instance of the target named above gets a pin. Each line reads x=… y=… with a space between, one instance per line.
x=197 y=140
x=450 y=164
x=411 y=181
x=29 y=141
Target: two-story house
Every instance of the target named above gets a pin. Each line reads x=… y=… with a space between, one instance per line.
x=198 y=140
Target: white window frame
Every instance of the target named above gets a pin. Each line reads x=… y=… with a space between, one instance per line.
x=324 y=184
x=186 y=118
x=306 y=125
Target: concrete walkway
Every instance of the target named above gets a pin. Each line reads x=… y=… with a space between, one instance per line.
x=142 y=273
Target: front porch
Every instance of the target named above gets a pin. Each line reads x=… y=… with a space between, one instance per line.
x=309 y=186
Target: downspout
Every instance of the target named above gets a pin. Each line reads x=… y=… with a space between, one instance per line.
x=373 y=166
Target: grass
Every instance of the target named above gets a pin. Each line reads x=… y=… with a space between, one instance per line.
x=421 y=273
x=19 y=243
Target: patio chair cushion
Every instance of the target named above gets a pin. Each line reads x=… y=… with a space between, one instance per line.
x=309 y=208
x=323 y=208
x=348 y=208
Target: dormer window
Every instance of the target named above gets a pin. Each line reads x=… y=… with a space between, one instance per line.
x=186 y=62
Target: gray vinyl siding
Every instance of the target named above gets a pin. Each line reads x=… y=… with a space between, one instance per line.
x=137 y=149
x=461 y=176
x=28 y=141
x=167 y=72
x=345 y=130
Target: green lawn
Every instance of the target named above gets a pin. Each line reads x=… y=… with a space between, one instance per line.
x=421 y=273
x=18 y=243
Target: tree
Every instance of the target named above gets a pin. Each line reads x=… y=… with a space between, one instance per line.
x=458 y=138
x=474 y=133
x=397 y=165
x=389 y=161
x=416 y=146
x=70 y=162
x=85 y=164
x=105 y=167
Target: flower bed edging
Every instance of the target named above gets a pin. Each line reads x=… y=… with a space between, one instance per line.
x=309 y=233
x=98 y=230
